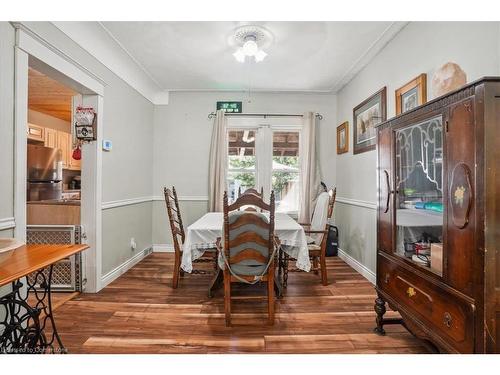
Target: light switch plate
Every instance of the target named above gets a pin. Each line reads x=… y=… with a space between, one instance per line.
x=107 y=145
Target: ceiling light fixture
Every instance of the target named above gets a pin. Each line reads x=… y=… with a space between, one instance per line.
x=249 y=41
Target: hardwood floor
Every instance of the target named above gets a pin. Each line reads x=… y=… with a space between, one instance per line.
x=141 y=313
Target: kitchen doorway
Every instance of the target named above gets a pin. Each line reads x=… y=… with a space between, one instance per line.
x=54 y=159
x=34 y=54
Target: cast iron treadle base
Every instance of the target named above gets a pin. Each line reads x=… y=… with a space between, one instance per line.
x=29 y=329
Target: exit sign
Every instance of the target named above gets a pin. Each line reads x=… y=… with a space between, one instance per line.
x=229 y=107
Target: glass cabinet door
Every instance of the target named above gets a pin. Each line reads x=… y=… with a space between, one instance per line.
x=419 y=193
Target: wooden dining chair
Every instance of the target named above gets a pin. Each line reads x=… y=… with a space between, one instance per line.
x=254 y=192
x=178 y=236
x=251 y=191
x=249 y=248
x=316 y=235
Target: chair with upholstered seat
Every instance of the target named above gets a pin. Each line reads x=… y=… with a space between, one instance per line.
x=249 y=248
x=178 y=237
x=316 y=234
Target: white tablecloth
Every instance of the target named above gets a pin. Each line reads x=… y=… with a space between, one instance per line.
x=203 y=233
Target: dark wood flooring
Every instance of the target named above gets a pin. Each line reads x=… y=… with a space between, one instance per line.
x=141 y=313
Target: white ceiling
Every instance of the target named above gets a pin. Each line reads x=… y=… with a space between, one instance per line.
x=305 y=56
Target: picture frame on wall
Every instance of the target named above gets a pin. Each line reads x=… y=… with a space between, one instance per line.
x=412 y=94
x=343 y=138
x=366 y=116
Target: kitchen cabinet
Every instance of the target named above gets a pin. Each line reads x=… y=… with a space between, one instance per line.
x=50 y=137
x=36 y=133
x=63 y=143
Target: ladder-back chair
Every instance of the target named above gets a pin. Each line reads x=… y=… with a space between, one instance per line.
x=249 y=248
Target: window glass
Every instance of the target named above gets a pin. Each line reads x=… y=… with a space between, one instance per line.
x=241 y=171
x=286 y=170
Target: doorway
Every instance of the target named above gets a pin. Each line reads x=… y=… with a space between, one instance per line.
x=54 y=159
x=36 y=56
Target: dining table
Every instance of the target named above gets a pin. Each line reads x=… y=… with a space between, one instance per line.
x=203 y=233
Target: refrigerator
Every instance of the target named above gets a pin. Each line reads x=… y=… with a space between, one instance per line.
x=44 y=173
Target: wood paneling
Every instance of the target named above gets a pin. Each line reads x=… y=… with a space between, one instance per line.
x=141 y=313
x=48 y=96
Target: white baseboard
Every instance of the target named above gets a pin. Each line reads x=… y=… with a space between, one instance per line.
x=361 y=268
x=163 y=248
x=124 y=267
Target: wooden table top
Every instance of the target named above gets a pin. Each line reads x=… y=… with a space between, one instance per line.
x=29 y=258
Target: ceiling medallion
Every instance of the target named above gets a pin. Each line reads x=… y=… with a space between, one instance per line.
x=250 y=41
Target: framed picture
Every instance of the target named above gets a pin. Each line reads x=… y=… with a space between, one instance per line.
x=366 y=116
x=411 y=95
x=343 y=138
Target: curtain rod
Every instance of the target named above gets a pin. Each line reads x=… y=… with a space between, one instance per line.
x=265 y=115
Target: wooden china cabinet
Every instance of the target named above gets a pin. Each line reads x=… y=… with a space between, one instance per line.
x=438 y=220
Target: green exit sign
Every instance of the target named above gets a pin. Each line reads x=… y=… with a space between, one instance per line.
x=229 y=107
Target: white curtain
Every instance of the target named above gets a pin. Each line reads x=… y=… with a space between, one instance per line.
x=310 y=186
x=217 y=166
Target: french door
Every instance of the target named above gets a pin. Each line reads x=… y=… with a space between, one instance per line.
x=265 y=156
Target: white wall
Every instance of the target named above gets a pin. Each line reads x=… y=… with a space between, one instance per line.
x=182 y=134
x=420 y=47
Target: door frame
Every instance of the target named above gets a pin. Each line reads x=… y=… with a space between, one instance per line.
x=32 y=50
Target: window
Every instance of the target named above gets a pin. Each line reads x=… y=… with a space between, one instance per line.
x=241 y=170
x=265 y=156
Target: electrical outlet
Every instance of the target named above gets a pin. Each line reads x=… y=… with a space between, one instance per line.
x=133 y=244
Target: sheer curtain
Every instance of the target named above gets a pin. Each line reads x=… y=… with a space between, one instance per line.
x=217 y=164
x=310 y=185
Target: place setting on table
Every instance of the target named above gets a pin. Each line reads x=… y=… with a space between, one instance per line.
x=301 y=243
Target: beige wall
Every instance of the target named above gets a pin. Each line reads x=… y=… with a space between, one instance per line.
x=420 y=47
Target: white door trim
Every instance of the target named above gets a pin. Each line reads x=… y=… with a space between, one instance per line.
x=32 y=49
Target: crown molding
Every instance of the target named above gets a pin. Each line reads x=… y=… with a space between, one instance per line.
x=100 y=43
x=373 y=50
x=96 y=39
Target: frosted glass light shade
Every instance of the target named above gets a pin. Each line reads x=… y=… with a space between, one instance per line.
x=250 y=48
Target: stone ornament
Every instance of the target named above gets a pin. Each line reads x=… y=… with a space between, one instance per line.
x=447 y=78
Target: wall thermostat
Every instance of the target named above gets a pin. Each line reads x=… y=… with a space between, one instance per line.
x=107 y=145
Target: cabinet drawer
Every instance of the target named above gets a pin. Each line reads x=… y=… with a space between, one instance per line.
x=444 y=313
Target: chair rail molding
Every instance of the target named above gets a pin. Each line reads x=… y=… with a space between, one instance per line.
x=188 y=198
x=357 y=202
x=7 y=223
x=131 y=201
x=125 y=202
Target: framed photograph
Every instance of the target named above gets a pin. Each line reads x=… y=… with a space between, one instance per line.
x=411 y=95
x=366 y=116
x=343 y=138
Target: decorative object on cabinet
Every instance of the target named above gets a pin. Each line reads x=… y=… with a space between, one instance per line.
x=412 y=94
x=447 y=78
x=343 y=138
x=437 y=219
x=366 y=116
